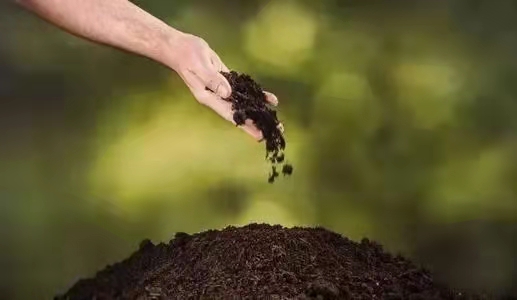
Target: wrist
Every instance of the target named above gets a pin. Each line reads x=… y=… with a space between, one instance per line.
x=168 y=53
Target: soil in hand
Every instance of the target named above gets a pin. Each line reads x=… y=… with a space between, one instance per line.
x=249 y=102
x=260 y=261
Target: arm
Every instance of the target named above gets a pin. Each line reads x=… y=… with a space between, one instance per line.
x=117 y=23
x=123 y=25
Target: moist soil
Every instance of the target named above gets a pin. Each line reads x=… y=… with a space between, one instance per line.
x=260 y=261
x=249 y=102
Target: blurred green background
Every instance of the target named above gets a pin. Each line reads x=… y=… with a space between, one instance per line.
x=400 y=120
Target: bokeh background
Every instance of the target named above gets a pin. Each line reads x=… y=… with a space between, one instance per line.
x=400 y=116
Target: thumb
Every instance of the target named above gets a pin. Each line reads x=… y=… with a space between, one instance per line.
x=218 y=84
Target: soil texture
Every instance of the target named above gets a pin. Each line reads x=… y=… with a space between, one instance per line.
x=249 y=102
x=260 y=261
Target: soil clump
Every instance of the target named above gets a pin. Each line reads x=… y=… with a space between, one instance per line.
x=249 y=102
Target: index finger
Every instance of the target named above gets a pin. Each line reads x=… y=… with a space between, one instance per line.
x=271 y=98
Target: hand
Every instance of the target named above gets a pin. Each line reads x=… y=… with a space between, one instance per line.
x=199 y=66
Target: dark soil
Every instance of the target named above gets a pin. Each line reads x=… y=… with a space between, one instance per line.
x=249 y=102
x=260 y=261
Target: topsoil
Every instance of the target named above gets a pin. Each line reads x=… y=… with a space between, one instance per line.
x=249 y=103
x=260 y=261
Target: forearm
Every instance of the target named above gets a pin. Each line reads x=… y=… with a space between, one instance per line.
x=117 y=23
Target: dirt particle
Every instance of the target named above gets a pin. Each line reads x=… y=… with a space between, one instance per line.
x=287 y=169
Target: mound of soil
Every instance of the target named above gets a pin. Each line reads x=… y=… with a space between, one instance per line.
x=249 y=102
x=260 y=261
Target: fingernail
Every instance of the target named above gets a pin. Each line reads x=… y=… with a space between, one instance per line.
x=274 y=100
x=271 y=98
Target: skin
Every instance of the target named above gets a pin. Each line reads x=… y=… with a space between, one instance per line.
x=123 y=25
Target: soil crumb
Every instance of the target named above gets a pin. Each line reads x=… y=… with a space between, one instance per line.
x=260 y=261
x=249 y=102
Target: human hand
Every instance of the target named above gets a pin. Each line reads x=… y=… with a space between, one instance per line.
x=199 y=67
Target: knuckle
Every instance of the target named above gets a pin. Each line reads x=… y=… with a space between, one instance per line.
x=197 y=41
x=216 y=82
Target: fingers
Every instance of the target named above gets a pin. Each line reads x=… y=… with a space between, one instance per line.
x=197 y=87
x=212 y=80
x=221 y=107
x=217 y=83
x=252 y=130
x=208 y=70
x=271 y=98
x=224 y=109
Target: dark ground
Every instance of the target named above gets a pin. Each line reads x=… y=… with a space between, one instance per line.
x=260 y=261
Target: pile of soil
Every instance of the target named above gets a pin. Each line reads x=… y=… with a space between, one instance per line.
x=260 y=261
x=249 y=102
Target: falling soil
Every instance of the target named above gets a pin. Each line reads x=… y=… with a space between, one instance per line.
x=260 y=261
x=249 y=102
